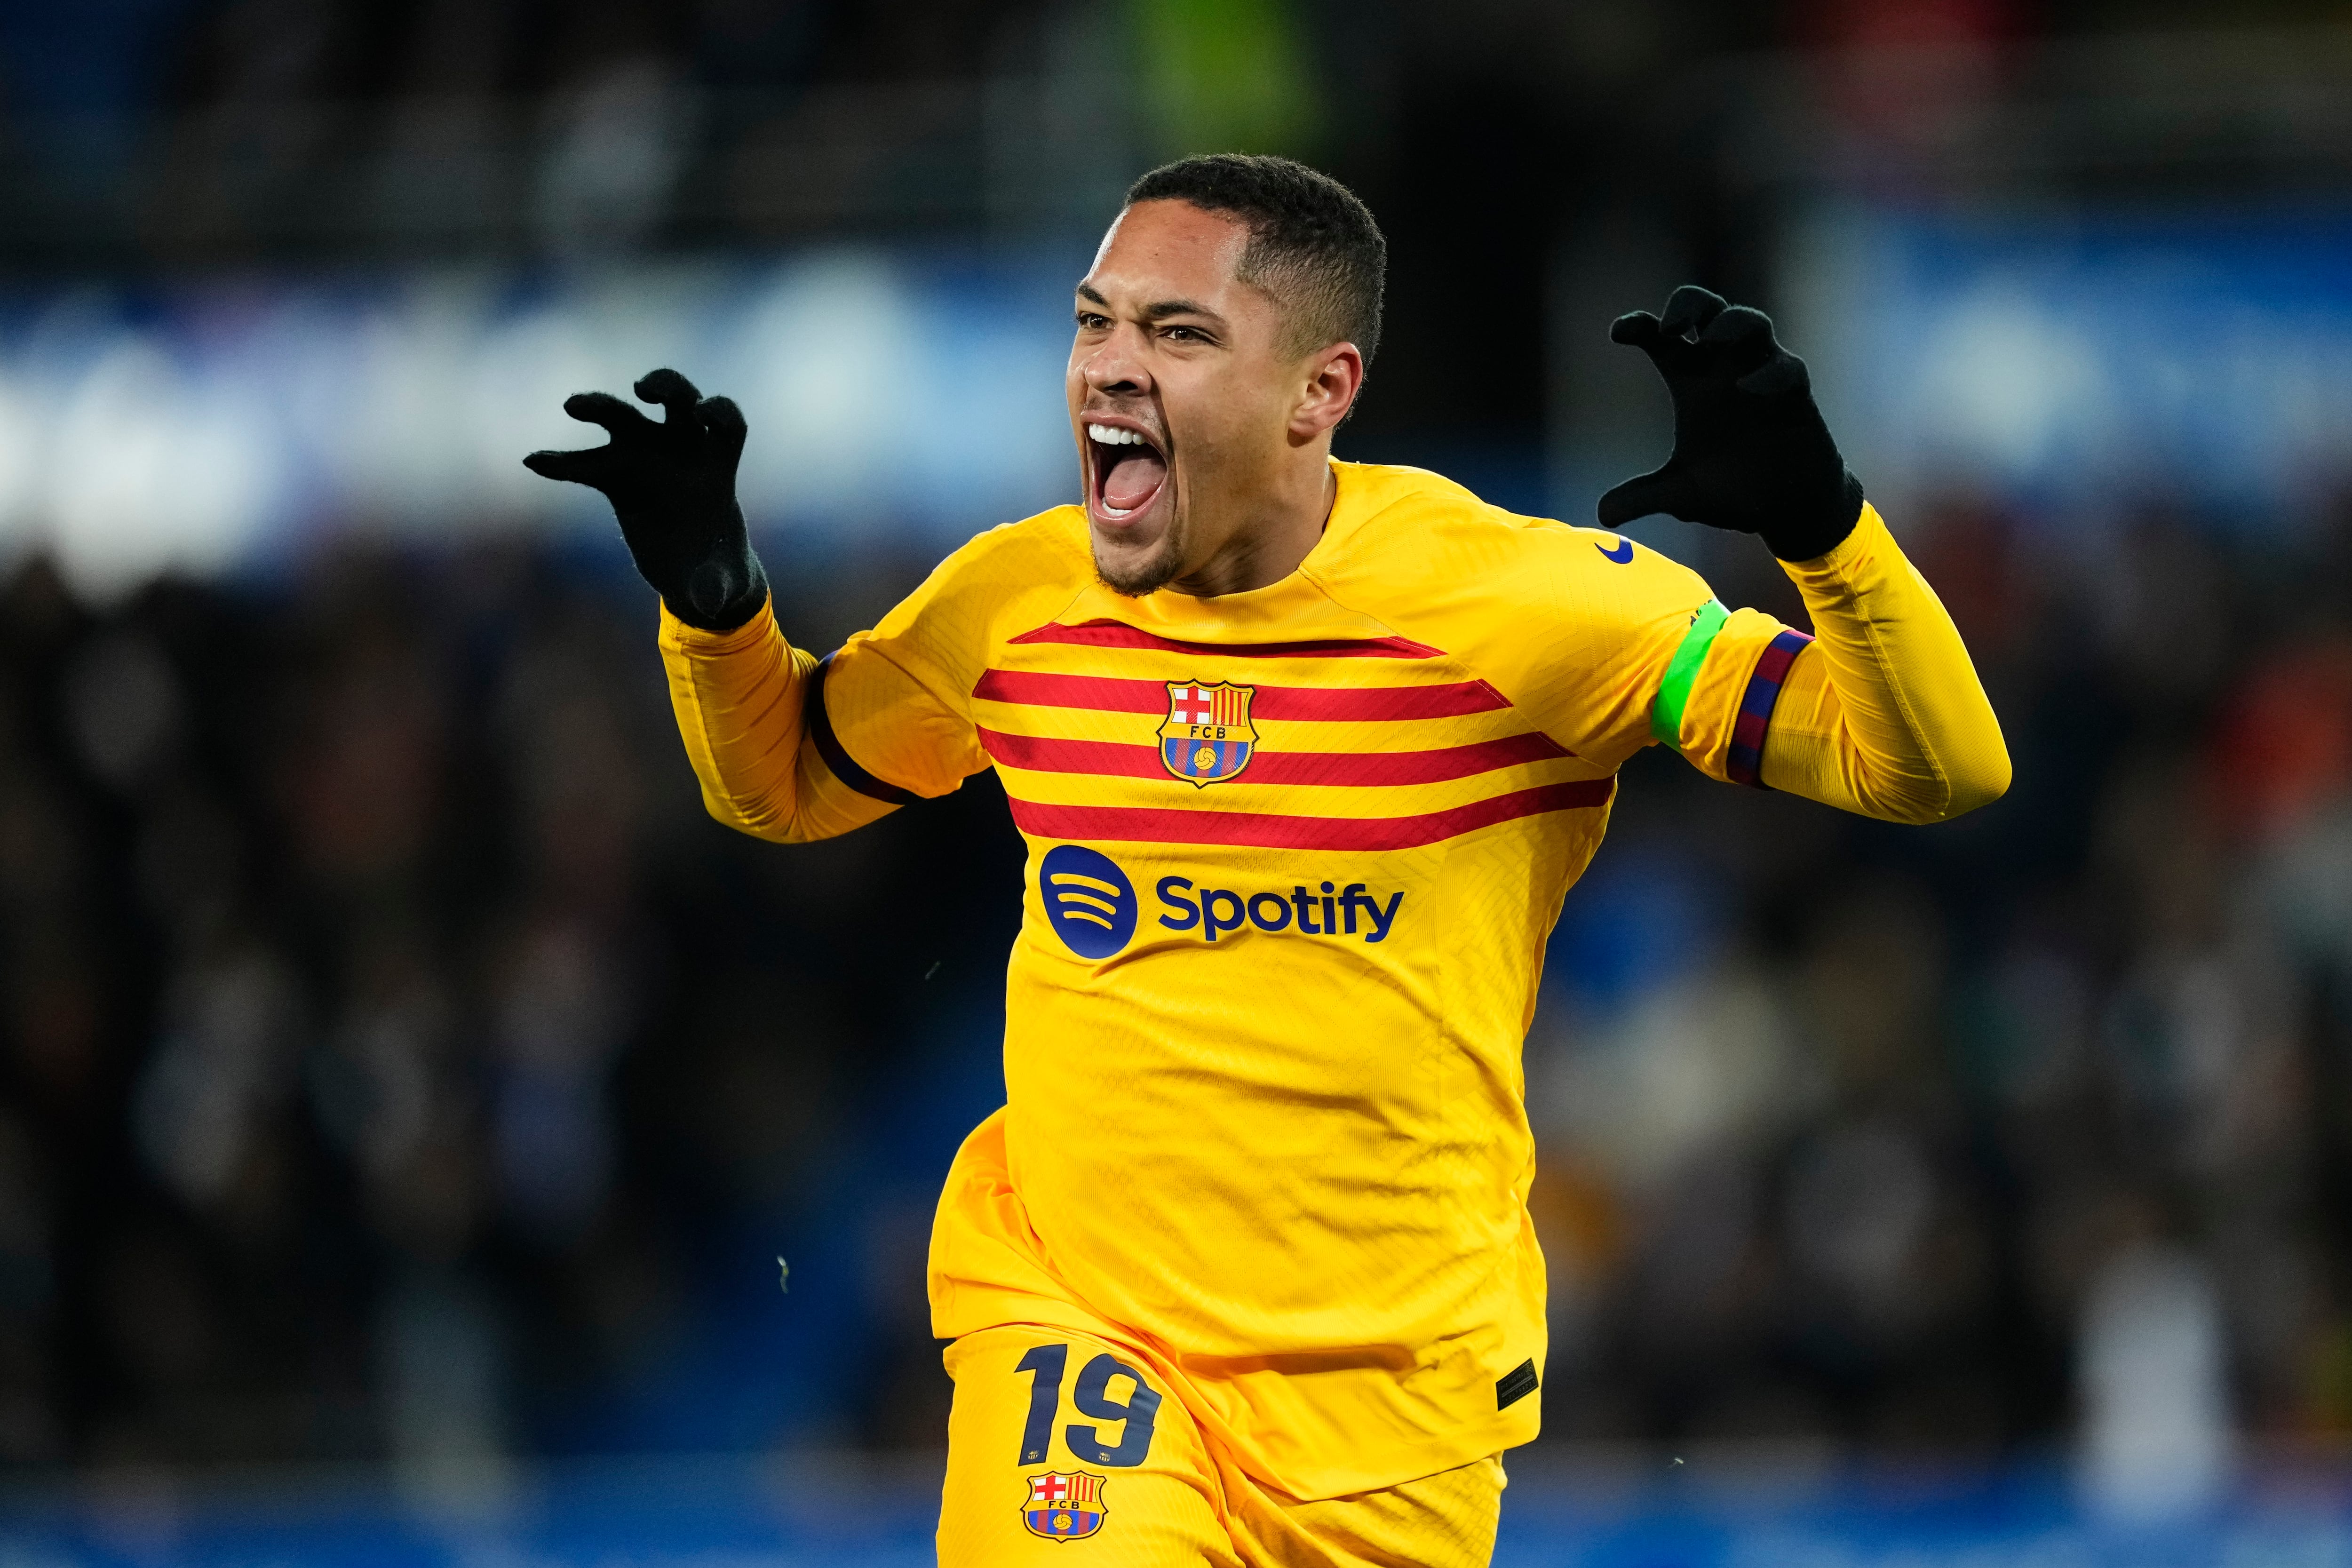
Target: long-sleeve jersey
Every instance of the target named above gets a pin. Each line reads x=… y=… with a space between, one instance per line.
x=1294 y=856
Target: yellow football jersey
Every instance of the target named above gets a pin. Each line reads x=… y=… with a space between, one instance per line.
x=1294 y=855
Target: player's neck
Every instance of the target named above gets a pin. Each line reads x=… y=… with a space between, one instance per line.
x=1272 y=539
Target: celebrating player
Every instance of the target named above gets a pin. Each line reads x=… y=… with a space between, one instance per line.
x=1306 y=753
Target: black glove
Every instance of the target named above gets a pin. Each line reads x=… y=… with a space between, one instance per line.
x=672 y=485
x=1751 y=452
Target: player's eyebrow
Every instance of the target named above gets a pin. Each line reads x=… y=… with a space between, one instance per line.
x=1159 y=310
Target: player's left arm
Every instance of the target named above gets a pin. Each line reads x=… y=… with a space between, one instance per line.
x=1881 y=711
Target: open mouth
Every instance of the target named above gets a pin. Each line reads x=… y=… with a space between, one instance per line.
x=1129 y=471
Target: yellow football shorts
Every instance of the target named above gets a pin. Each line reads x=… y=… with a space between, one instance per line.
x=1066 y=1450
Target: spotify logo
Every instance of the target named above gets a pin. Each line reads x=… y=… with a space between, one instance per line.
x=1088 y=899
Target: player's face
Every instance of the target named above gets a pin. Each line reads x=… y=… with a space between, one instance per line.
x=1179 y=397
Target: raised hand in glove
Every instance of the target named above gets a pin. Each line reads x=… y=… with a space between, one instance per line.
x=1751 y=452
x=672 y=485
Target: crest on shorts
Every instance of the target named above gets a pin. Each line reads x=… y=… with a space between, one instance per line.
x=1207 y=735
x=1064 y=1508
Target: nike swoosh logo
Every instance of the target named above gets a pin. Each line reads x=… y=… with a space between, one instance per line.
x=1621 y=554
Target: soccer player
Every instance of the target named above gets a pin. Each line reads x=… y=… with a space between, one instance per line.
x=1306 y=753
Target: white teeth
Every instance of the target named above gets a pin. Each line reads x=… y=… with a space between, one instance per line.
x=1111 y=435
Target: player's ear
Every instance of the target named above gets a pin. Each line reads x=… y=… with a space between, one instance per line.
x=1334 y=377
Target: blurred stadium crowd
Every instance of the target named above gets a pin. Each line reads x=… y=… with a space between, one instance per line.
x=395 y=1062
x=397 y=1058
x=1871 y=1135
x=398 y=1061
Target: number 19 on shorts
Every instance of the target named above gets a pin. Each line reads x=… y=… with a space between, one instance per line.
x=1069 y=1505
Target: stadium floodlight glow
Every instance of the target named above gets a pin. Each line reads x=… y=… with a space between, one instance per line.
x=189 y=429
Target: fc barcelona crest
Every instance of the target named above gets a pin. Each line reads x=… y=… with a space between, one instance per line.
x=1064 y=1508
x=1207 y=736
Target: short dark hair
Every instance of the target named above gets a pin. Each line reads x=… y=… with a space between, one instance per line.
x=1313 y=245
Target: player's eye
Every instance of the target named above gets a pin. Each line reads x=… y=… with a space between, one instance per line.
x=1187 y=334
x=1089 y=322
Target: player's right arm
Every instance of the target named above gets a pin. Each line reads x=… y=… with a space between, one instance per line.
x=792 y=747
x=788 y=747
x=751 y=712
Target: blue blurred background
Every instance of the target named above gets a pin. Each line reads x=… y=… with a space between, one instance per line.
x=406 y=1094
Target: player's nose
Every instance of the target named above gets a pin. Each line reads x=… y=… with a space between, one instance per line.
x=1113 y=368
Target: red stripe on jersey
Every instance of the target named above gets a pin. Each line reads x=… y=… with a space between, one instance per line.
x=1104 y=692
x=1266 y=830
x=1118 y=634
x=1333 y=703
x=1042 y=754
